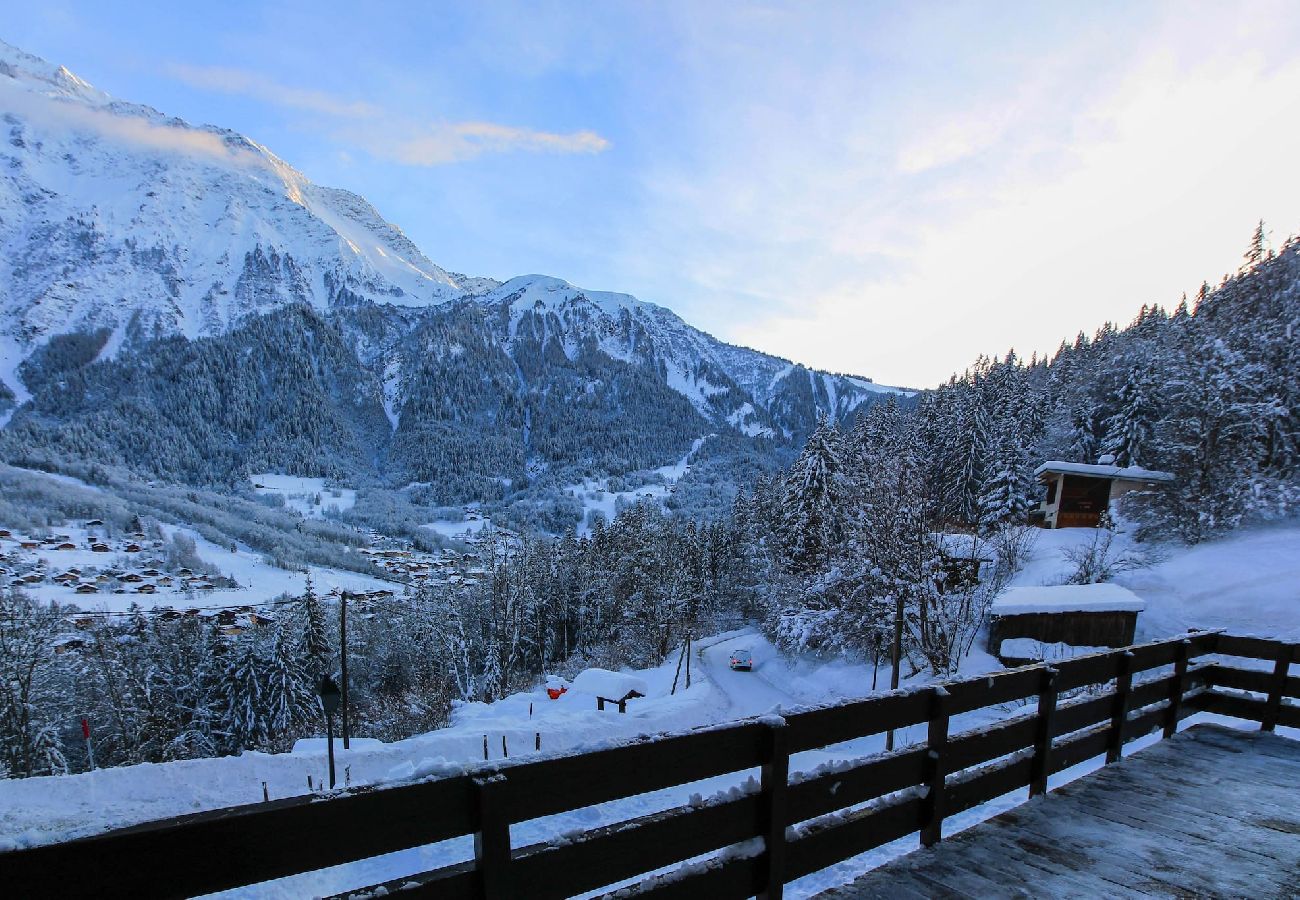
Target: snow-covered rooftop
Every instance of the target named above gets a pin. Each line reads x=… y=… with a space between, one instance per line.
x=1067 y=598
x=1127 y=473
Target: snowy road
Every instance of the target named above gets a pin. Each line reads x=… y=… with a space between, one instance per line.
x=747 y=693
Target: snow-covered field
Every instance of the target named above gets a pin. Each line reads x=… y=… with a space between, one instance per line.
x=1247 y=583
x=309 y=497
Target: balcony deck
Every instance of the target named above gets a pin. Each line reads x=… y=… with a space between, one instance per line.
x=1211 y=812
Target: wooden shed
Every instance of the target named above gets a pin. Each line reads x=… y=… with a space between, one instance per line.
x=1081 y=615
x=1078 y=493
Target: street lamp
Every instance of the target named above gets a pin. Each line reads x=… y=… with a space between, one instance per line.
x=329 y=700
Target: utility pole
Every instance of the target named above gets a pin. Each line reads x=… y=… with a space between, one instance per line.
x=343 y=655
x=898 y=658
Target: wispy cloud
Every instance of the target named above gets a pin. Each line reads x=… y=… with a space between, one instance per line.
x=385 y=134
x=244 y=83
x=458 y=141
x=48 y=111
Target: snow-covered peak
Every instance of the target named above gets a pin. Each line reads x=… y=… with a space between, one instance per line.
x=113 y=213
x=545 y=292
x=35 y=74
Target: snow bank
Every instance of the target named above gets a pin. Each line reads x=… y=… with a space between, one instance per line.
x=1067 y=598
x=611 y=685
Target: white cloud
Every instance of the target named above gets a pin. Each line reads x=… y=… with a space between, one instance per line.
x=387 y=135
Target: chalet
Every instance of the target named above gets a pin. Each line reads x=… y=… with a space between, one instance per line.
x=133 y=548
x=1079 y=615
x=99 y=548
x=33 y=578
x=131 y=578
x=146 y=588
x=151 y=573
x=68 y=644
x=30 y=545
x=66 y=545
x=95 y=523
x=6 y=533
x=1078 y=493
x=87 y=589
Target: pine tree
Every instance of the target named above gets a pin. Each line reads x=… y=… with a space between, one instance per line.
x=315 y=644
x=1129 y=430
x=810 y=514
x=1257 y=250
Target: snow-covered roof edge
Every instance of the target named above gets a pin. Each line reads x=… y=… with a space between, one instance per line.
x=1127 y=473
x=1067 y=598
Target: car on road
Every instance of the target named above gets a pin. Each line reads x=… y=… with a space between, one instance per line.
x=742 y=660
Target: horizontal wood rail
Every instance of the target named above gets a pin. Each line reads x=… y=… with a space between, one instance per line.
x=779 y=828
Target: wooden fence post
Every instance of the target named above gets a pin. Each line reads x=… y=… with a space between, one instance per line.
x=776 y=780
x=935 y=769
x=1276 y=688
x=1178 y=688
x=492 y=838
x=1119 y=711
x=1042 y=763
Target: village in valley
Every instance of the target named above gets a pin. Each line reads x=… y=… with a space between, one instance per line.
x=96 y=575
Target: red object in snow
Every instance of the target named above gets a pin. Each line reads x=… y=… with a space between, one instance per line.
x=554 y=693
x=85 y=729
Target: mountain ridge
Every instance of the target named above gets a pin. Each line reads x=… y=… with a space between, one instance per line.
x=122 y=229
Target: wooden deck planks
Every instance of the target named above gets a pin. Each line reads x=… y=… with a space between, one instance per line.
x=1211 y=812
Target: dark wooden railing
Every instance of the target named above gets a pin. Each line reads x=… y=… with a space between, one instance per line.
x=1074 y=710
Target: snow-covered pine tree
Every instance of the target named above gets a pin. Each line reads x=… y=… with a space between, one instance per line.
x=244 y=720
x=315 y=644
x=1129 y=429
x=810 y=514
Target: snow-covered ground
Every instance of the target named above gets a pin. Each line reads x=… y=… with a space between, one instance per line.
x=309 y=497
x=596 y=495
x=458 y=528
x=1246 y=583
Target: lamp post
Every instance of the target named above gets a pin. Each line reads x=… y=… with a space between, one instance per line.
x=329 y=700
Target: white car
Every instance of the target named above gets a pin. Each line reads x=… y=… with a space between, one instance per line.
x=742 y=660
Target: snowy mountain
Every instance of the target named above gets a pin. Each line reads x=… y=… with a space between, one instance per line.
x=123 y=230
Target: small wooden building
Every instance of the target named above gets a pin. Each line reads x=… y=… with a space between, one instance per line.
x=1081 y=615
x=1078 y=493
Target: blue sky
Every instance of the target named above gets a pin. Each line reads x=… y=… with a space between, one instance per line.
x=886 y=189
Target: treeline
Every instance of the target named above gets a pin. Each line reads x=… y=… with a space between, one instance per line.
x=157 y=689
x=864 y=531
x=625 y=596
